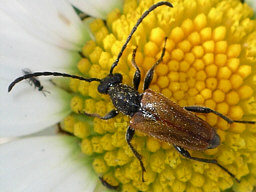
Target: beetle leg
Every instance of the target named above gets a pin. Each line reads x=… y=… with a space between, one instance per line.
x=186 y=154
x=109 y=115
x=200 y=109
x=150 y=73
x=136 y=77
x=106 y=184
x=129 y=135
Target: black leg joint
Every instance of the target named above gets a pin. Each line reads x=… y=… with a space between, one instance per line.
x=129 y=134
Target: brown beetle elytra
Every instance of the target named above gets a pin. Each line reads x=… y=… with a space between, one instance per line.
x=167 y=121
x=151 y=112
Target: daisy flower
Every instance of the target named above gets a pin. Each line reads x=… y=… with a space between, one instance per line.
x=209 y=61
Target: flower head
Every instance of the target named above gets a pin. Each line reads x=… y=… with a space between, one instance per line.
x=208 y=62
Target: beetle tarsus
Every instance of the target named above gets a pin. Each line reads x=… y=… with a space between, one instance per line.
x=129 y=135
x=106 y=184
x=186 y=154
x=109 y=115
x=200 y=109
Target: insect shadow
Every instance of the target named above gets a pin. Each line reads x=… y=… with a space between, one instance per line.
x=34 y=81
x=151 y=112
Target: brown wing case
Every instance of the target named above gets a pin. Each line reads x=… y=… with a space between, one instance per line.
x=167 y=121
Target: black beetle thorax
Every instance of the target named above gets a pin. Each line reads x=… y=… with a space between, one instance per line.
x=125 y=98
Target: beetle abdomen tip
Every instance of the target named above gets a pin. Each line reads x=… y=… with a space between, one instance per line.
x=214 y=142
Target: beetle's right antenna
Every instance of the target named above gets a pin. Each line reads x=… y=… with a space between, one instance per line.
x=135 y=28
x=56 y=74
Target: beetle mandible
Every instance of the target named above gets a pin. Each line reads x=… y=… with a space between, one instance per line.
x=151 y=112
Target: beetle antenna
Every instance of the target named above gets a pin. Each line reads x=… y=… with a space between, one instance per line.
x=56 y=74
x=135 y=28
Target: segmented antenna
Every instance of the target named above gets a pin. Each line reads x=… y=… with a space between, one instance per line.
x=57 y=74
x=135 y=28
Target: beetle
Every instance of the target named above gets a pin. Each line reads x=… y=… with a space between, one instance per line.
x=151 y=112
x=35 y=81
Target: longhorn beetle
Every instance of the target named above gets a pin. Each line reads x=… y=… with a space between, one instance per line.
x=151 y=112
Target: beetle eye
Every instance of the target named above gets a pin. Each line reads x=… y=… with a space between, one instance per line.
x=103 y=88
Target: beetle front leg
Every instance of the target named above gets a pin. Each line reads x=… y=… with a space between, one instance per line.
x=199 y=109
x=129 y=135
x=136 y=77
x=109 y=115
x=186 y=154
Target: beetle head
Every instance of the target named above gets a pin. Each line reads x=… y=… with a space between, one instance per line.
x=109 y=81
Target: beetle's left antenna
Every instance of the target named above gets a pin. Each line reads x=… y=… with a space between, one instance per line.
x=135 y=28
x=56 y=74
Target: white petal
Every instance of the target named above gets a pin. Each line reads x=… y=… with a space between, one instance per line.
x=26 y=110
x=52 y=21
x=97 y=8
x=51 y=163
x=25 y=51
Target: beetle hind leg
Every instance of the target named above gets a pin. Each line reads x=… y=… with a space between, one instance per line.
x=129 y=135
x=199 y=109
x=186 y=154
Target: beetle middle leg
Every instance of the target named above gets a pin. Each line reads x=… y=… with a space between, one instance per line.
x=200 y=109
x=150 y=73
x=109 y=115
x=136 y=77
x=186 y=154
x=129 y=135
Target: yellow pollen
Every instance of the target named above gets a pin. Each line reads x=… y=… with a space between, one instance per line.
x=206 y=34
x=177 y=54
x=209 y=46
x=184 y=45
x=76 y=104
x=100 y=166
x=86 y=147
x=200 y=21
x=219 y=33
x=194 y=38
x=234 y=50
x=209 y=61
x=177 y=34
x=151 y=49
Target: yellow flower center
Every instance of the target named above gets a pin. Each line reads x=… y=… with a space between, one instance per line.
x=209 y=61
